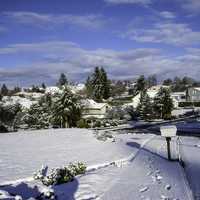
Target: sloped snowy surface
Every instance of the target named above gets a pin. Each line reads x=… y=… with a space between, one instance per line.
x=148 y=175
x=21 y=154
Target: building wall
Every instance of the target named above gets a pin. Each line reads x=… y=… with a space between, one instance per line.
x=96 y=113
x=193 y=94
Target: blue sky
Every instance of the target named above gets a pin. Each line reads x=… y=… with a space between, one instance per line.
x=39 y=39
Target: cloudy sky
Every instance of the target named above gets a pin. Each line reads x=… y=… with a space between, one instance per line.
x=39 y=39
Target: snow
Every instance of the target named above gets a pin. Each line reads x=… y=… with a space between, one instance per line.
x=54 y=148
x=53 y=90
x=133 y=167
x=91 y=104
x=24 y=102
x=190 y=153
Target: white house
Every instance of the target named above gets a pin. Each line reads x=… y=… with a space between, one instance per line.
x=179 y=96
x=152 y=92
x=193 y=94
x=53 y=90
x=92 y=109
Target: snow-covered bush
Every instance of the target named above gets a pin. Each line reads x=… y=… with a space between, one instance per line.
x=59 y=176
x=82 y=123
x=116 y=112
x=8 y=114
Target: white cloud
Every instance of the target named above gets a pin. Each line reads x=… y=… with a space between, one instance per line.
x=167 y=15
x=128 y=1
x=168 y=33
x=48 y=20
x=58 y=56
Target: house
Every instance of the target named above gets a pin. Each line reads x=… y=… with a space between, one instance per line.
x=193 y=94
x=179 y=96
x=92 y=109
x=152 y=92
x=53 y=90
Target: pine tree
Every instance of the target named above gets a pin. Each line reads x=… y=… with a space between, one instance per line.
x=105 y=83
x=152 y=80
x=141 y=83
x=66 y=109
x=62 y=80
x=145 y=107
x=43 y=86
x=4 y=90
x=98 y=85
x=89 y=87
x=163 y=104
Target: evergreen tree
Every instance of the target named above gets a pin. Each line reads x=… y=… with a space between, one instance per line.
x=43 y=86
x=89 y=87
x=4 y=90
x=168 y=82
x=163 y=104
x=98 y=85
x=38 y=116
x=105 y=83
x=62 y=80
x=66 y=109
x=145 y=107
x=141 y=83
x=16 y=90
x=152 y=80
x=8 y=114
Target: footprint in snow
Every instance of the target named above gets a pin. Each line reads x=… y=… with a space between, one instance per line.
x=167 y=187
x=144 y=189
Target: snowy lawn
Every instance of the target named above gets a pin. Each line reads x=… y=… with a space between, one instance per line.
x=148 y=175
x=23 y=153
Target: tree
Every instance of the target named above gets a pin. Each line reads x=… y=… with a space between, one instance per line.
x=43 y=86
x=8 y=114
x=98 y=85
x=4 y=90
x=152 y=80
x=66 y=109
x=168 y=82
x=105 y=83
x=16 y=90
x=141 y=83
x=38 y=116
x=145 y=107
x=62 y=80
x=163 y=104
x=117 y=88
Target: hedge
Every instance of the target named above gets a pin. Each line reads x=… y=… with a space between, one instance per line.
x=189 y=104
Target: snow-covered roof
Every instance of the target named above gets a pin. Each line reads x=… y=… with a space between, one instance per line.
x=178 y=93
x=36 y=95
x=91 y=104
x=53 y=90
x=197 y=88
x=24 y=102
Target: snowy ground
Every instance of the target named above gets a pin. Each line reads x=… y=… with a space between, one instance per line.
x=147 y=174
x=23 y=153
x=190 y=151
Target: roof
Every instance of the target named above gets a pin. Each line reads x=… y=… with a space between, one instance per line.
x=53 y=90
x=91 y=104
x=197 y=88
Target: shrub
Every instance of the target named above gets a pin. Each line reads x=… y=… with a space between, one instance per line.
x=59 y=176
x=189 y=104
x=82 y=124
